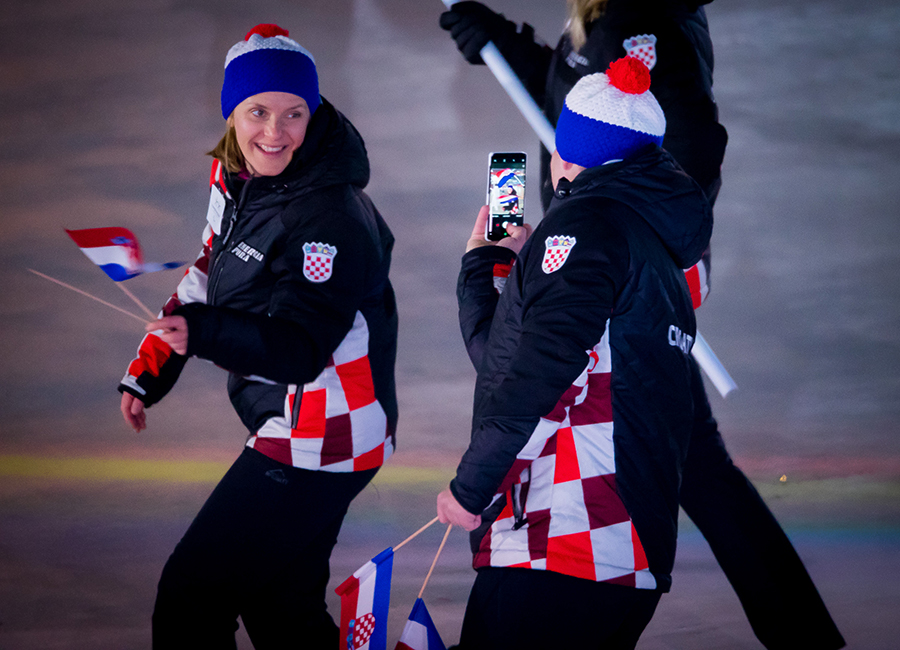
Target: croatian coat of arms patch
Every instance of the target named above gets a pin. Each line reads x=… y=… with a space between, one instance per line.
x=318 y=261
x=557 y=249
x=643 y=48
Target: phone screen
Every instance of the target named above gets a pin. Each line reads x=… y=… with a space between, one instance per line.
x=506 y=193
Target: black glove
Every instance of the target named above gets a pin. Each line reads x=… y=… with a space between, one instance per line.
x=472 y=25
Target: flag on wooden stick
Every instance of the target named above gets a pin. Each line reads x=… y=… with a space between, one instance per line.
x=420 y=632
x=365 y=601
x=116 y=251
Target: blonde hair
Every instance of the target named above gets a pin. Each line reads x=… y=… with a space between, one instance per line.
x=582 y=12
x=228 y=151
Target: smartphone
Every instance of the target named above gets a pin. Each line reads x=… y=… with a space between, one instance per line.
x=506 y=193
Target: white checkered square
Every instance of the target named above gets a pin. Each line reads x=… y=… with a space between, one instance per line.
x=612 y=544
x=356 y=344
x=568 y=512
x=540 y=490
x=508 y=548
x=596 y=451
x=363 y=421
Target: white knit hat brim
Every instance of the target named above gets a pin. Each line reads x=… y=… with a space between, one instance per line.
x=599 y=100
x=258 y=42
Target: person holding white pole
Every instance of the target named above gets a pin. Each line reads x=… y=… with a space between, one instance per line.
x=672 y=38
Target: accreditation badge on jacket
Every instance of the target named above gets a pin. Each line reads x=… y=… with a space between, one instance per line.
x=556 y=252
x=318 y=261
x=642 y=48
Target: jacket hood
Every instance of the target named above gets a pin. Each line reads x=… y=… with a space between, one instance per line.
x=332 y=152
x=653 y=185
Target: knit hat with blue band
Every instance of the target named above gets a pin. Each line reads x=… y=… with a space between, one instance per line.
x=609 y=116
x=265 y=61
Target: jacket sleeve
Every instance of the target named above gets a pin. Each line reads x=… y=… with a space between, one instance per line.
x=157 y=367
x=482 y=275
x=564 y=316
x=681 y=81
x=306 y=320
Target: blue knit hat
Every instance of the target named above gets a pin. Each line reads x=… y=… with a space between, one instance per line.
x=265 y=61
x=609 y=116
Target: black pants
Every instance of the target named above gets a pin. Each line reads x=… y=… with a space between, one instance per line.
x=259 y=549
x=778 y=596
x=525 y=609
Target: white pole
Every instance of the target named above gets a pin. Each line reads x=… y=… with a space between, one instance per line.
x=704 y=355
x=516 y=91
x=711 y=365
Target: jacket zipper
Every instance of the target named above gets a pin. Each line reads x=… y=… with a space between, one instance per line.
x=216 y=270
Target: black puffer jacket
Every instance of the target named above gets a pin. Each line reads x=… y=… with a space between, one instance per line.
x=282 y=330
x=288 y=327
x=612 y=328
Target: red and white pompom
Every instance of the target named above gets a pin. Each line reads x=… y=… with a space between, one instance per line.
x=629 y=75
x=267 y=30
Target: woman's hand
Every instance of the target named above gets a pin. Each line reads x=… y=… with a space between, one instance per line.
x=450 y=512
x=518 y=235
x=133 y=411
x=174 y=332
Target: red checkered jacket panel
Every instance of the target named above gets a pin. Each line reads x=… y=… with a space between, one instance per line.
x=576 y=523
x=333 y=423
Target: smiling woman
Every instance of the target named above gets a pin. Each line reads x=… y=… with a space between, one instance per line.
x=269 y=128
x=291 y=295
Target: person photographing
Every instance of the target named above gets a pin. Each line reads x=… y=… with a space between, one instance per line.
x=583 y=407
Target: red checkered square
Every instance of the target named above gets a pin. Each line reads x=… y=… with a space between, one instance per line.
x=603 y=504
x=370 y=459
x=572 y=555
x=566 y=457
x=311 y=419
x=597 y=404
x=337 y=442
x=356 y=381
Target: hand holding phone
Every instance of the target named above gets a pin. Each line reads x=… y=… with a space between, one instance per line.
x=506 y=193
x=513 y=242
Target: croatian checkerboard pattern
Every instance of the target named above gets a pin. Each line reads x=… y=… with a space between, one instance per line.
x=333 y=423
x=575 y=522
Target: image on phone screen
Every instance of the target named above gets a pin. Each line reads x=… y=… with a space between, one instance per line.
x=506 y=193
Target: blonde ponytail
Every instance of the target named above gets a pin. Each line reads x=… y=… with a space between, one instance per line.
x=228 y=151
x=582 y=12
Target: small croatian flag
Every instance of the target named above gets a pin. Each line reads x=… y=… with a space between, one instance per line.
x=116 y=251
x=504 y=177
x=420 y=632
x=365 y=601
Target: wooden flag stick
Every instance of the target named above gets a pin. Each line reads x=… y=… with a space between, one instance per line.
x=92 y=297
x=137 y=301
x=437 y=555
x=415 y=534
